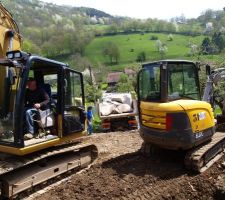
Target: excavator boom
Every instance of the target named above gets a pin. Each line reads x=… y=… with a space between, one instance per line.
x=10 y=38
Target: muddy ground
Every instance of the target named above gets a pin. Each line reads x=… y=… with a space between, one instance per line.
x=121 y=172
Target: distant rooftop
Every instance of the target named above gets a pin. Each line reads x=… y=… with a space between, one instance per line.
x=129 y=71
x=113 y=77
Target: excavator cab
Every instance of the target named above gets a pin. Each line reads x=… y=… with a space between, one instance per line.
x=168 y=81
x=63 y=120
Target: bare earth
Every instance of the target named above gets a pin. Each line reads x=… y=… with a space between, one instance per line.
x=121 y=172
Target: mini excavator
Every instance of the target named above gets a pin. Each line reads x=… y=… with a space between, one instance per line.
x=174 y=116
x=59 y=144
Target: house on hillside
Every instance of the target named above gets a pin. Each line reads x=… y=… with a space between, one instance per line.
x=130 y=72
x=113 y=78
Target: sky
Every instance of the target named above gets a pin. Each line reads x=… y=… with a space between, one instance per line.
x=142 y=9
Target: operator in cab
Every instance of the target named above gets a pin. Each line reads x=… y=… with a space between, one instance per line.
x=35 y=99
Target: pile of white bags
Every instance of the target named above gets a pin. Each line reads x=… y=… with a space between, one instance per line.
x=115 y=103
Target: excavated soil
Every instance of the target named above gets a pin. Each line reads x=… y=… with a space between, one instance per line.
x=122 y=172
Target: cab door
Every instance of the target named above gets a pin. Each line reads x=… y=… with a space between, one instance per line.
x=73 y=98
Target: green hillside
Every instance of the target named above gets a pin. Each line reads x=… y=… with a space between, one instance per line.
x=78 y=36
x=178 y=48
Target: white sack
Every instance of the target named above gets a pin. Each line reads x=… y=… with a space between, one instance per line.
x=124 y=108
x=106 y=109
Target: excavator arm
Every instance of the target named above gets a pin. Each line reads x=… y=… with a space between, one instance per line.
x=10 y=40
x=214 y=78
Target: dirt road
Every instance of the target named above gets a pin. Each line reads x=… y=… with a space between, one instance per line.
x=121 y=172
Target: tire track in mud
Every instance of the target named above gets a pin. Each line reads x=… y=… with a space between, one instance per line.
x=163 y=178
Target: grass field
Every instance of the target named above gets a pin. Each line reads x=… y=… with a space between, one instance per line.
x=177 y=49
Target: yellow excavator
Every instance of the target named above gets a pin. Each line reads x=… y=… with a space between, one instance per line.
x=59 y=144
x=174 y=116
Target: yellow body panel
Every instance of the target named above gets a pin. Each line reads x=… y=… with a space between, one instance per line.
x=199 y=113
x=43 y=145
x=162 y=108
x=154 y=114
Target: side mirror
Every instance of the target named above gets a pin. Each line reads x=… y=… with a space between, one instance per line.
x=208 y=69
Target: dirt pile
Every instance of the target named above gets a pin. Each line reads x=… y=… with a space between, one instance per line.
x=121 y=172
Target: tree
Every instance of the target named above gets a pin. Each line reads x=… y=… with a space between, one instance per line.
x=113 y=28
x=141 y=57
x=125 y=84
x=78 y=62
x=153 y=37
x=170 y=37
x=112 y=51
x=92 y=93
x=158 y=44
x=162 y=50
x=218 y=40
x=193 y=50
x=208 y=15
x=30 y=47
x=48 y=49
x=206 y=46
x=171 y=27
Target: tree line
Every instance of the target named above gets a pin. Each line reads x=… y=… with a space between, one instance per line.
x=181 y=25
x=63 y=32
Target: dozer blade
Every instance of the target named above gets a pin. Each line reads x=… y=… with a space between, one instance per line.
x=201 y=158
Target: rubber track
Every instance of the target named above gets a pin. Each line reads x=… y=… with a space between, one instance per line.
x=11 y=162
x=201 y=158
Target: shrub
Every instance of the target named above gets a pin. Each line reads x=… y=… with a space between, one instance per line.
x=104 y=86
x=97 y=124
x=170 y=37
x=141 y=57
x=153 y=37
